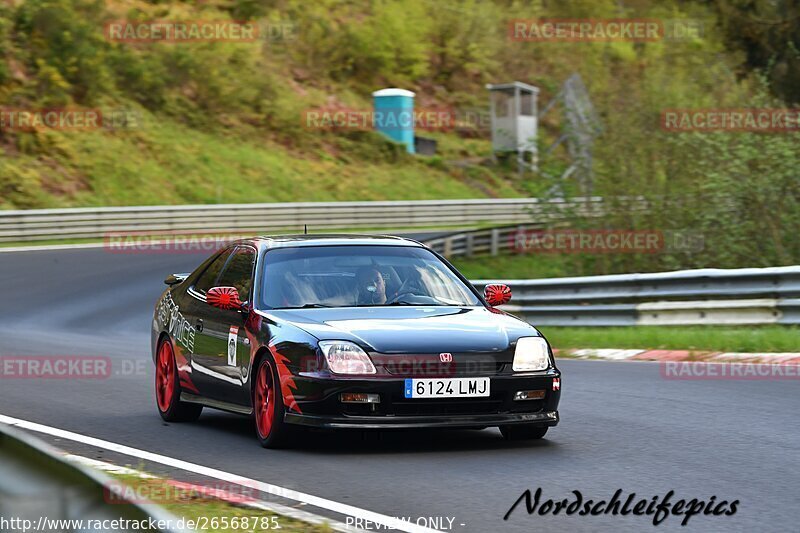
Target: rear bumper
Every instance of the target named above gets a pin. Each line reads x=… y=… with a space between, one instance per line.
x=321 y=407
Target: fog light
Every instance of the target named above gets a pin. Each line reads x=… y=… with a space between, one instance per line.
x=359 y=397
x=529 y=395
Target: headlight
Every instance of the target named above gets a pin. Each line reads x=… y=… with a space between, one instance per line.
x=344 y=357
x=531 y=354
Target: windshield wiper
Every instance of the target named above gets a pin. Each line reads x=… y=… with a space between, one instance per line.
x=306 y=306
x=382 y=305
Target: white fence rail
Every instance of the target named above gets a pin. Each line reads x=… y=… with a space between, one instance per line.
x=96 y=223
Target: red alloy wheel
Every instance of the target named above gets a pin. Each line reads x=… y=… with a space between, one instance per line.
x=165 y=377
x=264 y=400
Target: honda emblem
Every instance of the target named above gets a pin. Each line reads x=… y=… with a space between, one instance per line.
x=446 y=357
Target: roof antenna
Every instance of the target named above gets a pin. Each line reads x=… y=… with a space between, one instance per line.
x=305 y=229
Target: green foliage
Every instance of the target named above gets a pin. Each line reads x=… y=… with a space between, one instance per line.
x=65 y=49
x=19 y=187
x=769 y=35
x=5 y=43
x=387 y=43
x=372 y=147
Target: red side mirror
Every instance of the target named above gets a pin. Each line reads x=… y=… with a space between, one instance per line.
x=497 y=294
x=224 y=297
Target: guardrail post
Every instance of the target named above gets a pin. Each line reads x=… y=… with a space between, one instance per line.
x=448 y=247
x=495 y=242
x=470 y=244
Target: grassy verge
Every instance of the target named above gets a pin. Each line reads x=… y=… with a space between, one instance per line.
x=516 y=266
x=212 y=514
x=754 y=339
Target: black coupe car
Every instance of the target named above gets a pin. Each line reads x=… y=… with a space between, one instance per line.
x=342 y=331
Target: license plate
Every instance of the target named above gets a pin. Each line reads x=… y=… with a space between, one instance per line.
x=447 y=388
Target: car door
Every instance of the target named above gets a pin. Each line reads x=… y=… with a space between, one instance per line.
x=222 y=349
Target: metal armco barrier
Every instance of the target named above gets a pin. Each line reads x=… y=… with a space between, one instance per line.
x=39 y=486
x=704 y=296
x=492 y=241
x=510 y=239
x=95 y=223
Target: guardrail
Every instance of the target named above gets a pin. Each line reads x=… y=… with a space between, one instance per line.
x=704 y=296
x=491 y=241
x=513 y=239
x=94 y=223
x=37 y=484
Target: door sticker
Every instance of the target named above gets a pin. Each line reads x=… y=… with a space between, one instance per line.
x=233 y=335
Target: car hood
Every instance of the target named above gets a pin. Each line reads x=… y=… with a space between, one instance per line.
x=412 y=329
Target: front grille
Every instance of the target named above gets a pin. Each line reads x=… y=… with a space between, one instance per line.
x=431 y=368
x=478 y=369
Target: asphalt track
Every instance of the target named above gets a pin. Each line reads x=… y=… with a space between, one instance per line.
x=623 y=425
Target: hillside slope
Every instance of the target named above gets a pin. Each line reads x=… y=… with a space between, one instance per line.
x=224 y=121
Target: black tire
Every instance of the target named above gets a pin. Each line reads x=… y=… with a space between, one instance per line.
x=271 y=430
x=168 y=388
x=523 y=432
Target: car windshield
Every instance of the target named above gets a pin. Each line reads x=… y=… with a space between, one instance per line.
x=347 y=276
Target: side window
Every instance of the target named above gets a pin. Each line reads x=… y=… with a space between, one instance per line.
x=209 y=277
x=239 y=272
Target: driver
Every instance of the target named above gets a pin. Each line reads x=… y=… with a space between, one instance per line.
x=371 y=286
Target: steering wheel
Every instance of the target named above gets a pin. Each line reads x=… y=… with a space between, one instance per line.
x=398 y=296
x=402 y=290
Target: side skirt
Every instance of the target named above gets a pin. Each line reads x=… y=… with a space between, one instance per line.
x=216 y=404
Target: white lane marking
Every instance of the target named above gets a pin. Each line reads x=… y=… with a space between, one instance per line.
x=316 y=501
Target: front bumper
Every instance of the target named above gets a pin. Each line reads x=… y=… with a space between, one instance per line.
x=320 y=406
x=549 y=418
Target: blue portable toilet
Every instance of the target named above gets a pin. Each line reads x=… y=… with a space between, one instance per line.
x=394 y=115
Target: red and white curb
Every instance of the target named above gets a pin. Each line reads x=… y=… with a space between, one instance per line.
x=681 y=355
